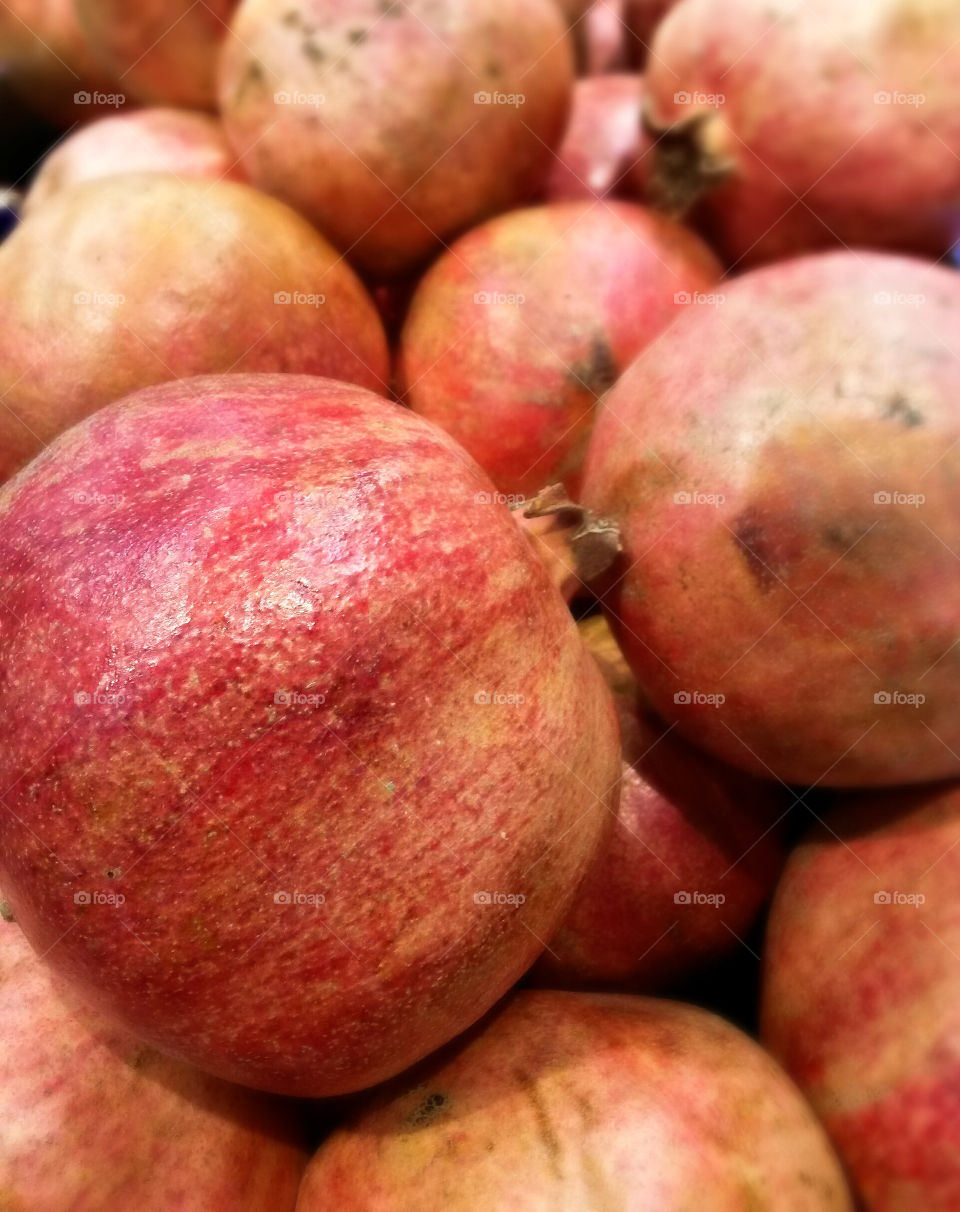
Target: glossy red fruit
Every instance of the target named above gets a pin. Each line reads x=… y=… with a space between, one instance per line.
x=93 y=1118
x=395 y=124
x=805 y=123
x=276 y=670
x=785 y=471
x=695 y=855
x=135 y=279
x=515 y=333
x=861 y=999
x=585 y=1101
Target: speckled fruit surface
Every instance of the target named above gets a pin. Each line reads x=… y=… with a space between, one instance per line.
x=92 y=1118
x=785 y=471
x=276 y=670
x=585 y=1102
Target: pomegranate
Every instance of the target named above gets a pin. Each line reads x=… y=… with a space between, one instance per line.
x=789 y=115
x=126 y=281
x=163 y=51
x=586 y=1101
x=862 y=994
x=394 y=125
x=605 y=151
x=694 y=857
x=516 y=331
x=784 y=468
x=95 y=1119
x=179 y=141
x=278 y=672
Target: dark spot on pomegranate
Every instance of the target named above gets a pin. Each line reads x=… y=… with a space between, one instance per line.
x=291 y=17
x=751 y=537
x=900 y=409
x=427 y=1111
x=356 y=36
x=598 y=372
x=314 y=53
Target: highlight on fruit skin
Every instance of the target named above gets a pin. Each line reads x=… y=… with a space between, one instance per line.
x=307 y=696
x=789 y=507
x=584 y=1101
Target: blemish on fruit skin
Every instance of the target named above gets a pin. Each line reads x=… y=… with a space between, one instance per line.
x=598 y=371
x=900 y=409
x=428 y=1110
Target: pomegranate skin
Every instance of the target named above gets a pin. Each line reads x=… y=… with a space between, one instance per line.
x=801 y=107
x=178 y=141
x=515 y=333
x=786 y=596
x=585 y=1101
x=861 y=1000
x=94 y=1119
x=126 y=281
x=694 y=857
x=307 y=700
x=605 y=151
x=326 y=101
x=163 y=51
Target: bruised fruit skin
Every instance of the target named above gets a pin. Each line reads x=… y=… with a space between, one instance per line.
x=126 y=281
x=177 y=141
x=605 y=150
x=93 y=1118
x=687 y=827
x=861 y=999
x=785 y=472
x=800 y=108
x=516 y=332
x=326 y=102
x=580 y=1101
x=310 y=706
x=164 y=52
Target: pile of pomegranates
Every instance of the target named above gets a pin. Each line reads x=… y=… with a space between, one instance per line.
x=480 y=605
